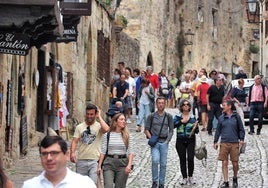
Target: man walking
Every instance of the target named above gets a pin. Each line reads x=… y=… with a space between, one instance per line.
x=215 y=95
x=257 y=103
x=54 y=155
x=159 y=123
x=89 y=134
x=231 y=130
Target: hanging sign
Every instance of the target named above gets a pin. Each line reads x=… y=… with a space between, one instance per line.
x=14 y=43
x=70 y=34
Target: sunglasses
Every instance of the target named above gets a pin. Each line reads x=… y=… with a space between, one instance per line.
x=185 y=104
x=88 y=130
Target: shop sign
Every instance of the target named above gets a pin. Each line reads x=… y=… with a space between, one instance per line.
x=70 y=34
x=14 y=43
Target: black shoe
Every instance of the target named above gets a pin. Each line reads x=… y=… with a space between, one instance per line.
x=154 y=185
x=161 y=186
x=250 y=133
x=210 y=134
x=235 y=184
x=259 y=132
x=225 y=185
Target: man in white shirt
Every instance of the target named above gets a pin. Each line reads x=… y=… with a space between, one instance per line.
x=54 y=155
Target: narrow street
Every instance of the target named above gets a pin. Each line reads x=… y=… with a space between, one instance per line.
x=252 y=173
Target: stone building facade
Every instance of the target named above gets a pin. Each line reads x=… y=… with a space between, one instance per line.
x=86 y=67
x=221 y=34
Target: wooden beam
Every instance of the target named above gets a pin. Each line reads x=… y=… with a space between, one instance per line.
x=80 y=9
x=28 y=2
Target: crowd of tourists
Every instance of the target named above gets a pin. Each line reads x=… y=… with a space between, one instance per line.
x=103 y=148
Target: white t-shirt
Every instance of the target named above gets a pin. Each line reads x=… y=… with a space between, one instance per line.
x=144 y=99
x=132 y=84
x=71 y=180
x=164 y=82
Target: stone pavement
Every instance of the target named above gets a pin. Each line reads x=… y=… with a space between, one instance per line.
x=253 y=164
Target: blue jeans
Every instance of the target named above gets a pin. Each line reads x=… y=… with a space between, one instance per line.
x=215 y=110
x=256 y=108
x=144 y=111
x=159 y=156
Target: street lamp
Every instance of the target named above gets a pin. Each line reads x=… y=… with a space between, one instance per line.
x=189 y=37
x=254 y=14
x=253 y=11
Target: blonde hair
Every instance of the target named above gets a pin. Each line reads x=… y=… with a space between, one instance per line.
x=124 y=131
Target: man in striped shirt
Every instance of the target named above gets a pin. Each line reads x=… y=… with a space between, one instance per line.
x=257 y=102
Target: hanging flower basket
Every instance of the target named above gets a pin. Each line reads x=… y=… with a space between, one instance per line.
x=254 y=49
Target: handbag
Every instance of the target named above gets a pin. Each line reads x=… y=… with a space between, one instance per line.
x=154 y=138
x=242 y=149
x=164 y=91
x=201 y=151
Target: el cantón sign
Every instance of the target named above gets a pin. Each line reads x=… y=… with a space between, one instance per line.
x=14 y=43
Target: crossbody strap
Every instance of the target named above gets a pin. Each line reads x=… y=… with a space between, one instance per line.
x=161 y=125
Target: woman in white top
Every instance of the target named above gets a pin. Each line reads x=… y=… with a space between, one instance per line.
x=116 y=154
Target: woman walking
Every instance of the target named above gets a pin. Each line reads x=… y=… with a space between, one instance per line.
x=240 y=98
x=187 y=127
x=116 y=154
x=145 y=102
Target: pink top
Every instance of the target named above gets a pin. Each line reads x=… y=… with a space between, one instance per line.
x=257 y=94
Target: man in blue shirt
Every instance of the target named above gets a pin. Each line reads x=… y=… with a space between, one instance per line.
x=231 y=130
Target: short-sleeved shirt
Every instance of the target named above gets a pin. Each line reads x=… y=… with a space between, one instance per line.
x=132 y=84
x=121 y=88
x=203 y=89
x=71 y=180
x=153 y=78
x=90 y=144
x=239 y=94
x=216 y=94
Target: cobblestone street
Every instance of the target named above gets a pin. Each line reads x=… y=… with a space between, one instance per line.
x=252 y=173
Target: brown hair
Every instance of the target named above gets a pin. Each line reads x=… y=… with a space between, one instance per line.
x=241 y=81
x=181 y=105
x=124 y=131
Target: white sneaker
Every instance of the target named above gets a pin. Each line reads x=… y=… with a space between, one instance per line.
x=184 y=181
x=191 y=181
x=128 y=121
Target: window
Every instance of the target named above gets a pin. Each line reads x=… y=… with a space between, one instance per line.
x=214 y=24
x=103 y=62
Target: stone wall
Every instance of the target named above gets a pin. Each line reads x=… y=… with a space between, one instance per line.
x=156 y=25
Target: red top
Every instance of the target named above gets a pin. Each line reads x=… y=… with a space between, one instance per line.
x=153 y=78
x=203 y=88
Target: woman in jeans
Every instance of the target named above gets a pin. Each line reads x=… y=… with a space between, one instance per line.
x=145 y=102
x=187 y=127
x=116 y=154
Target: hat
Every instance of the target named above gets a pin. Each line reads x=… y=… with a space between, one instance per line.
x=172 y=73
x=203 y=79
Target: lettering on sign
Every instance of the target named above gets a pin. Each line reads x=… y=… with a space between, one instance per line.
x=14 y=43
x=69 y=35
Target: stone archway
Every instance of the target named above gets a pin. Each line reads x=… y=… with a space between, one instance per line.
x=149 y=61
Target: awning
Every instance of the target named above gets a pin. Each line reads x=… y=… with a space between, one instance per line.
x=39 y=20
